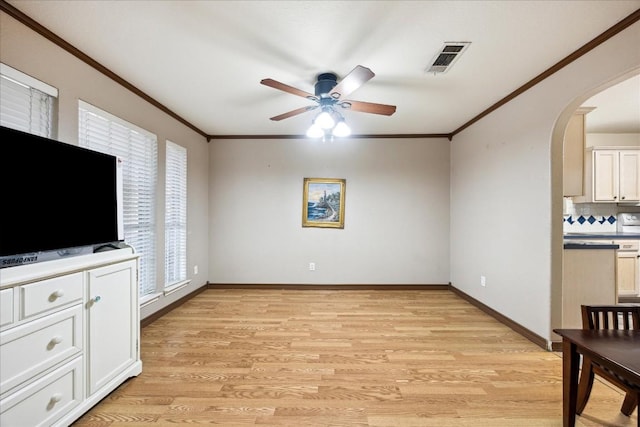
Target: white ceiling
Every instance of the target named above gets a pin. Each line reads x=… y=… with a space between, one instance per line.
x=617 y=109
x=204 y=59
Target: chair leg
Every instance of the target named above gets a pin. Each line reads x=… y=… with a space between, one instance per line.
x=629 y=404
x=585 y=383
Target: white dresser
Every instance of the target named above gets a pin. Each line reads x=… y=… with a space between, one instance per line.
x=69 y=335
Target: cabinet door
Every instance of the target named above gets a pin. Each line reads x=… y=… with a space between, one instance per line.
x=573 y=159
x=605 y=176
x=627 y=273
x=629 y=175
x=112 y=316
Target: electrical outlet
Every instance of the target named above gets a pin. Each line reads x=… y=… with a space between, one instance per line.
x=312 y=266
x=195 y=269
x=483 y=281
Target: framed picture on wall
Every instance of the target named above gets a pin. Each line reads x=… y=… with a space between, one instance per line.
x=323 y=202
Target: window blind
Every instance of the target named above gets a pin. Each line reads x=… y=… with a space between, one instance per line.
x=137 y=148
x=26 y=104
x=175 y=262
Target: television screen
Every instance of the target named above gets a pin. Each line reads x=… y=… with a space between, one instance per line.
x=55 y=196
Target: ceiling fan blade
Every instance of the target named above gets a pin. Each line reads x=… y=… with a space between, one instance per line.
x=293 y=113
x=368 y=107
x=286 y=88
x=352 y=81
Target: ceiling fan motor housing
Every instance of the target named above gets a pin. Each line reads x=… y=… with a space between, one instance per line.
x=326 y=82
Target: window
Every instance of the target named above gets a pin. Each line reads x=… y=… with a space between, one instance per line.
x=26 y=104
x=175 y=232
x=138 y=150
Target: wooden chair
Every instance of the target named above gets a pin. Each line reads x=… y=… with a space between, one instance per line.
x=607 y=317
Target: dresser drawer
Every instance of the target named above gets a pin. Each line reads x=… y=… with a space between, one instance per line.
x=48 y=294
x=46 y=400
x=6 y=307
x=32 y=348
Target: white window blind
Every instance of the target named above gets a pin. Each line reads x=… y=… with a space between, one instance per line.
x=26 y=104
x=175 y=257
x=101 y=131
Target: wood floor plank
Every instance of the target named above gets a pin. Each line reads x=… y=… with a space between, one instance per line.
x=352 y=358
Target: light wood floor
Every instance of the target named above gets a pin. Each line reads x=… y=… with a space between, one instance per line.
x=342 y=358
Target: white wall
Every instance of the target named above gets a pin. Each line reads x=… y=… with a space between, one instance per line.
x=506 y=186
x=32 y=54
x=396 y=212
x=613 y=139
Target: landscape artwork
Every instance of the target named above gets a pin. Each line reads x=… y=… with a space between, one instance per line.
x=323 y=202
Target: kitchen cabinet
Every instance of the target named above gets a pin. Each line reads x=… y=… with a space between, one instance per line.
x=627 y=268
x=69 y=336
x=628 y=279
x=612 y=175
x=629 y=175
x=573 y=154
x=627 y=274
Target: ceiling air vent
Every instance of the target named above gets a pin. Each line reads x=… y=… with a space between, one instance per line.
x=447 y=56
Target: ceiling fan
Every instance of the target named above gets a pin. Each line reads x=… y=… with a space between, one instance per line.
x=330 y=94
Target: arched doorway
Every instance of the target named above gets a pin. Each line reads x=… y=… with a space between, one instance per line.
x=557 y=202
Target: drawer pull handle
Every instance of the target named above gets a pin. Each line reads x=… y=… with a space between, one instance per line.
x=56 y=340
x=57 y=294
x=57 y=397
x=97 y=298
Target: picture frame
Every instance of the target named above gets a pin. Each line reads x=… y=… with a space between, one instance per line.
x=323 y=202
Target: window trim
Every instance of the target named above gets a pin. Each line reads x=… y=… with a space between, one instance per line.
x=25 y=79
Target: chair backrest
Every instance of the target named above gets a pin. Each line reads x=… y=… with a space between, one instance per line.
x=611 y=317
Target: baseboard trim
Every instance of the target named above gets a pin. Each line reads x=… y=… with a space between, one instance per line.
x=528 y=334
x=333 y=287
x=177 y=303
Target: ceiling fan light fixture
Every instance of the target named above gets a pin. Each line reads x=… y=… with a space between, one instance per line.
x=324 y=120
x=341 y=129
x=315 y=131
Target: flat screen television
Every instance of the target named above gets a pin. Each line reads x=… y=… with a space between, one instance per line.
x=58 y=199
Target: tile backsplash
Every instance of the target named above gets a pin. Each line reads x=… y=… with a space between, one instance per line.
x=589 y=223
x=592 y=217
x=589 y=217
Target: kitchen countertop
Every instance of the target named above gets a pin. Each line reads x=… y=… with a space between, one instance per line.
x=585 y=245
x=601 y=235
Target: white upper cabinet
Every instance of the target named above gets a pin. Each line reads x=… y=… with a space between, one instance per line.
x=573 y=153
x=629 y=181
x=612 y=175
